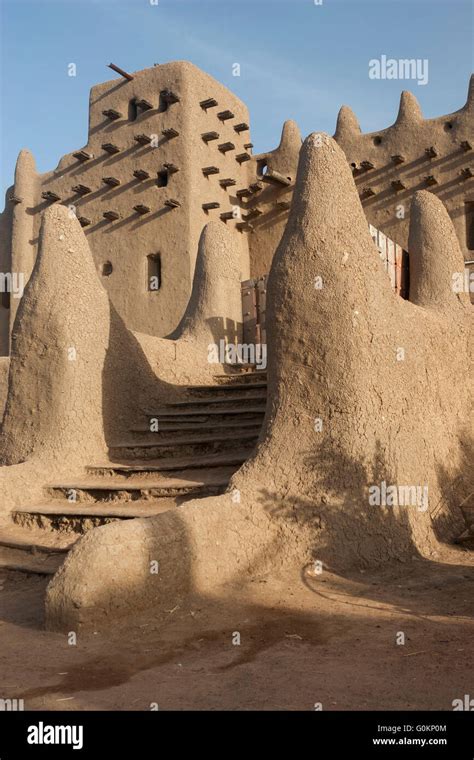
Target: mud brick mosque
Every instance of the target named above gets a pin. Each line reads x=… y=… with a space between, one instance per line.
x=164 y=234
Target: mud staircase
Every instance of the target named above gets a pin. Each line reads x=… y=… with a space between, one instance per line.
x=200 y=442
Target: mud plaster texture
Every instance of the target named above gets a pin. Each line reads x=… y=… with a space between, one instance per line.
x=78 y=378
x=410 y=138
x=123 y=246
x=333 y=356
x=377 y=159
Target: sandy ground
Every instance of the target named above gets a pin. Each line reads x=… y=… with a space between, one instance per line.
x=322 y=639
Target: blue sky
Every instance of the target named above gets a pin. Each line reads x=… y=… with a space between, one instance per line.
x=298 y=60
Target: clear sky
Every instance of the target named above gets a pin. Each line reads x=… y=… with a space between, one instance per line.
x=297 y=60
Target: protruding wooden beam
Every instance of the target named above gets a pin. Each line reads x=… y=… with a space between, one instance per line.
x=141 y=209
x=145 y=105
x=48 y=195
x=83 y=221
x=248 y=146
x=244 y=193
x=208 y=206
x=431 y=180
x=244 y=226
x=241 y=127
x=225 y=115
x=367 y=192
x=397 y=185
x=111 y=215
x=227 y=215
x=112 y=114
x=209 y=103
x=15 y=199
x=83 y=155
x=141 y=174
x=256 y=187
x=172 y=203
x=81 y=189
x=208 y=136
x=224 y=147
x=466 y=173
x=253 y=214
x=284 y=205
x=170 y=97
x=171 y=168
x=207 y=170
x=366 y=165
x=275 y=177
x=110 y=148
x=466 y=145
x=111 y=181
x=142 y=139
x=242 y=157
x=227 y=182
x=169 y=133
x=398 y=158
x=431 y=152
x=120 y=71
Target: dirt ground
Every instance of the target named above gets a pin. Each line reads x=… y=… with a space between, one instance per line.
x=325 y=639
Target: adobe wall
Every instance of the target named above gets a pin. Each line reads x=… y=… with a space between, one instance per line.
x=123 y=245
x=6 y=223
x=304 y=496
x=399 y=154
x=216 y=178
x=413 y=154
x=267 y=205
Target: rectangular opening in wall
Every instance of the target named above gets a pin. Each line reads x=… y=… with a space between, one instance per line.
x=153 y=272
x=164 y=102
x=162 y=178
x=262 y=167
x=132 y=110
x=469 y=215
x=5 y=299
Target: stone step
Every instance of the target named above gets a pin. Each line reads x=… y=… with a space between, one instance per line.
x=34 y=542
x=227 y=459
x=225 y=399
x=169 y=414
x=149 y=477
x=141 y=488
x=245 y=378
x=182 y=429
x=240 y=369
x=72 y=518
x=223 y=388
x=23 y=562
x=199 y=444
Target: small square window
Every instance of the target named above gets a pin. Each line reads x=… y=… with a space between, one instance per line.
x=153 y=272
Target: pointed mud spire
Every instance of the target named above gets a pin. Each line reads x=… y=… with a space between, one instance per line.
x=347 y=124
x=470 y=93
x=324 y=275
x=215 y=300
x=435 y=256
x=63 y=304
x=284 y=159
x=26 y=188
x=25 y=164
x=409 y=111
x=290 y=136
